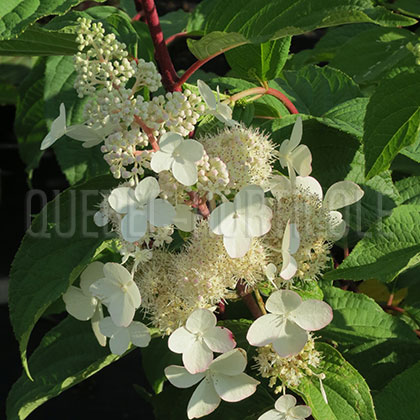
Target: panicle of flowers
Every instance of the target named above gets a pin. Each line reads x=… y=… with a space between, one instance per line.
x=288 y=371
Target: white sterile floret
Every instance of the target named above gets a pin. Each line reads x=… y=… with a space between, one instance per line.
x=184 y=218
x=81 y=303
x=90 y=136
x=179 y=156
x=246 y=218
x=100 y=219
x=198 y=339
x=120 y=337
x=223 y=380
x=221 y=111
x=118 y=292
x=58 y=129
x=285 y=408
x=140 y=206
x=287 y=326
x=295 y=156
x=340 y=194
x=290 y=245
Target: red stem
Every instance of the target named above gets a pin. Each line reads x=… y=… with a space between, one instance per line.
x=199 y=203
x=148 y=131
x=248 y=299
x=172 y=38
x=166 y=67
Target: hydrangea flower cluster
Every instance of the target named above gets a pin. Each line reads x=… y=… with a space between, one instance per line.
x=239 y=224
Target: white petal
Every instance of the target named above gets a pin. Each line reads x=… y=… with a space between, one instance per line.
x=237 y=247
x=341 y=194
x=139 y=334
x=221 y=218
x=296 y=135
x=259 y=224
x=79 y=305
x=48 y=141
x=270 y=271
x=203 y=401
x=100 y=219
x=107 y=327
x=180 y=377
x=291 y=238
x=337 y=226
x=230 y=363
x=134 y=294
x=119 y=341
x=234 y=388
x=285 y=403
x=161 y=161
x=58 y=129
x=219 y=339
x=280 y=186
x=90 y=274
x=201 y=320
x=283 y=301
x=300 y=412
x=310 y=184
x=289 y=266
x=97 y=317
x=160 y=212
x=197 y=357
x=134 y=225
x=122 y=199
x=169 y=142
x=83 y=132
x=147 y=189
x=184 y=218
x=117 y=273
x=105 y=289
x=207 y=94
x=185 y=172
x=284 y=151
x=224 y=114
x=249 y=199
x=301 y=159
x=180 y=339
x=190 y=150
x=265 y=330
x=271 y=415
x=312 y=315
x=121 y=310
x=292 y=341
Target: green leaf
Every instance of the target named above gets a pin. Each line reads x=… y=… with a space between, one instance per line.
x=174 y=22
x=67 y=355
x=37 y=41
x=413 y=151
x=259 y=62
x=129 y=7
x=389 y=247
x=8 y=94
x=17 y=15
x=392 y=120
x=370 y=55
x=409 y=190
x=408 y=7
x=347 y=392
x=316 y=90
x=77 y=163
x=14 y=69
x=399 y=399
x=379 y=345
x=62 y=238
x=258 y=21
x=30 y=126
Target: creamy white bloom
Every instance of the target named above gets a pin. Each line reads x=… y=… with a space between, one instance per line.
x=198 y=339
x=223 y=380
x=81 y=303
x=247 y=217
x=140 y=206
x=290 y=245
x=118 y=292
x=340 y=194
x=221 y=111
x=178 y=156
x=58 y=129
x=90 y=136
x=285 y=408
x=295 y=156
x=120 y=337
x=286 y=326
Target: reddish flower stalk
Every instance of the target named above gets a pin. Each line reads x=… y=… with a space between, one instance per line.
x=166 y=67
x=199 y=203
x=248 y=299
x=152 y=140
x=172 y=38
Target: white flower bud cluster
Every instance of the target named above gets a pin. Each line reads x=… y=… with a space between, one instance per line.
x=288 y=370
x=146 y=75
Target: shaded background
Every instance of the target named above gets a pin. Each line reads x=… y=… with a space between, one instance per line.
x=109 y=394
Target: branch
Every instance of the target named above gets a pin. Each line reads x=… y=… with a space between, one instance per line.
x=152 y=140
x=166 y=67
x=174 y=37
x=248 y=299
